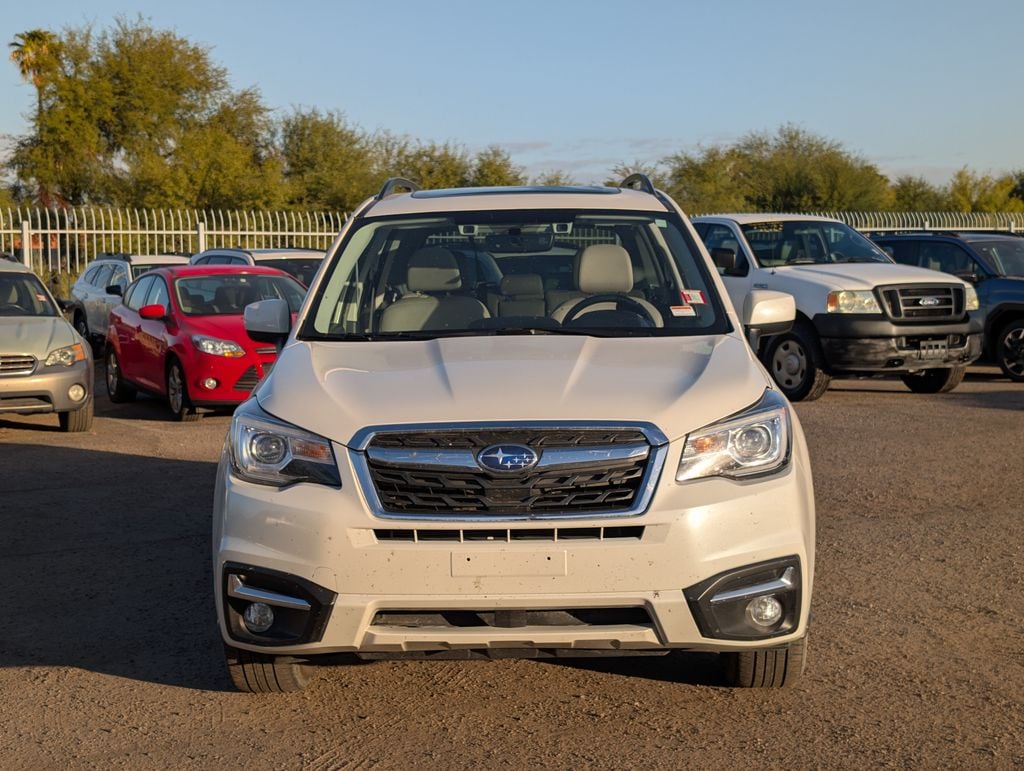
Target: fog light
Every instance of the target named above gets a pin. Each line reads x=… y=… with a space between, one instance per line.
x=259 y=617
x=210 y=383
x=764 y=611
x=76 y=393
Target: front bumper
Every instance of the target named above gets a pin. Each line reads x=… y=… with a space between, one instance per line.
x=872 y=344
x=46 y=389
x=370 y=572
x=235 y=378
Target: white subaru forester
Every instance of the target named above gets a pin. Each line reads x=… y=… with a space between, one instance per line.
x=515 y=422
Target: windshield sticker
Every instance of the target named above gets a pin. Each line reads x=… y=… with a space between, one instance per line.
x=693 y=296
x=683 y=310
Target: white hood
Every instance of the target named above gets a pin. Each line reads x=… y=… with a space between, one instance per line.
x=676 y=383
x=35 y=335
x=858 y=275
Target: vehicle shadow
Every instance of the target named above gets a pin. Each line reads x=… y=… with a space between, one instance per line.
x=105 y=565
x=676 y=667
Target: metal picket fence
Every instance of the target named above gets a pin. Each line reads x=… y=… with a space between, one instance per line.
x=65 y=240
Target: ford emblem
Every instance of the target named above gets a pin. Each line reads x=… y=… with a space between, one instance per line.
x=929 y=301
x=507 y=457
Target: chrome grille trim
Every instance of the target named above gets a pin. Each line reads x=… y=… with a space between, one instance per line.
x=17 y=364
x=466 y=459
x=923 y=302
x=655 y=453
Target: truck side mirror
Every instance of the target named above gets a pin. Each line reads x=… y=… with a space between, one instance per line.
x=767 y=313
x=724 y=259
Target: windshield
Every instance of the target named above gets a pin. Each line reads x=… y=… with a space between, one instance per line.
x=1005 y=256
x=139 y=269
x=22 y=294
x=228 y=294
x=516 y=272
x=303 y=269
x=809 y=242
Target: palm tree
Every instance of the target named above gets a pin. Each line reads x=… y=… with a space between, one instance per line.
x=35 y=52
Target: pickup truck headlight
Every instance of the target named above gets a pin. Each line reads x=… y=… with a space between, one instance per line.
x=216 y=347
x=754 y=442
x=267 y=451
x=65 y=357
x=850 y=301
x=970 y=298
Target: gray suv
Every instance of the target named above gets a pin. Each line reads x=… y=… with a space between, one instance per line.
x=98 y=290
x=45 y=365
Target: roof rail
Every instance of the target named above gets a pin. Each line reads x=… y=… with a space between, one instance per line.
x=639 y=182
x=396 y=183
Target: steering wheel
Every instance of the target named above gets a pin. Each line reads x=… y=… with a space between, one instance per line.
x=621 y=302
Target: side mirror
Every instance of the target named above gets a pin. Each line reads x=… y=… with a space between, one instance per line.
x=890 y=251
x=724 y=259
x=767 y=313
x=969 y=275
x=156 y=311
x=268 y=321
x=65 y=305
x=115 y=289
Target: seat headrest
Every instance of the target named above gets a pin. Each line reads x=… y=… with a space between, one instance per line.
x=522 y=285
x=605 y=268
x=433 y=269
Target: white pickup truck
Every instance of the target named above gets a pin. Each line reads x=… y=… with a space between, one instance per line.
x=858 y=312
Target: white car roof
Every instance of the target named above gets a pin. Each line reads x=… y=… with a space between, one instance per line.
x=746 y=218
x=10 y=266
x=284 y=254
x=508 y=198
x=158 y=259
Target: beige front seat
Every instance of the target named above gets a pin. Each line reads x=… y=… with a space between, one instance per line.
x=522 y=295
x=433 y=274
x=604 y=269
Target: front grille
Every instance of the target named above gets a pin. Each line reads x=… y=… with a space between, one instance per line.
x=250 y=378
x=930 y=302
x=579 y=472
x=17 y=364
x=510 y=619
x=508 y=535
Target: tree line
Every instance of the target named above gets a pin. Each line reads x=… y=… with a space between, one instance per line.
x=136 y=116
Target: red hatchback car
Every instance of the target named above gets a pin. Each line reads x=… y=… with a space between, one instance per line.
x=178 y=332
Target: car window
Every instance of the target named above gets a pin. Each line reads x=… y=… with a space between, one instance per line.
x=22 y=294
x=904 y=252
x=228 y=294
x=778 y=243
x=158 y=293
x=722 y=237
x=137 y=297
x=1005 y=256
x=119 y=276
x=102 y=279
x=90 y=275
x=303 y=269
x=238 y=261
x=945 y=257
x=141 y=269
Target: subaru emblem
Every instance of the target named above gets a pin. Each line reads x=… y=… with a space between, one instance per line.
x=507 y=457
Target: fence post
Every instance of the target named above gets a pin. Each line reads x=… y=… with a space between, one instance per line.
x=200 y=237
x=26 y=242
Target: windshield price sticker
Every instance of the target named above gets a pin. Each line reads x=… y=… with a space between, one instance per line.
x=693 y=296
x=683 y=310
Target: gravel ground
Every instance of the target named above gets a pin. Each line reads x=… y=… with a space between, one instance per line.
x=110 y=657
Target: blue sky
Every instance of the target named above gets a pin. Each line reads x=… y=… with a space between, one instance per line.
x=916 y=87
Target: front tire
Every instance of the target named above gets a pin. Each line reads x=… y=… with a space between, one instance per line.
x=177 y=394
x=1010 y=350
x=773 y=668
x=263 y=673
x=78 y=420
x=797 y=364
x=118 y=390
x=935 y=381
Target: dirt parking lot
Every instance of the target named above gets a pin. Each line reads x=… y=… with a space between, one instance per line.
x=110 y=657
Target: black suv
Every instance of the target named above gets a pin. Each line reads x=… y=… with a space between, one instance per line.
x=994 y=262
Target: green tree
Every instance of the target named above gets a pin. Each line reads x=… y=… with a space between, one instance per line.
x=554 y=178
x=433 y=166
x=36 y=54
x=493 y=166
x=972 y=192
x=912 y=193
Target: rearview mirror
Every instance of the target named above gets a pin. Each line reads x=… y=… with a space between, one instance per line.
x=268 y=321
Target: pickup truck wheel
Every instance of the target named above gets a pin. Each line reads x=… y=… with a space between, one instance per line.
x=935 y=381
x=117 y=389
x=77 y=420
x=1010 y=350
x=177 y=395
x=772 y=668
x=796 y=363
x=262 y=673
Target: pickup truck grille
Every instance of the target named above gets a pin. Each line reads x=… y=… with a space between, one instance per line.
x=927 y=302
x=436 y=474
x=17 y=364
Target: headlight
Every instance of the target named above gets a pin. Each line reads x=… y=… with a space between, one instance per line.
x=970 y=298
x=217 y=347
x=270 y=452
x=753 y=442
x=65 y=357
x=849 y=301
